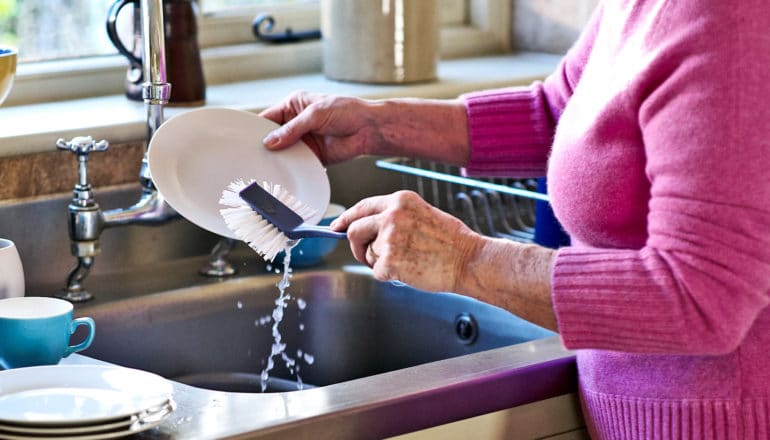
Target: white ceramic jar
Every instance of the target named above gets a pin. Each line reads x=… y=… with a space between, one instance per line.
x=11 y=271
x=380 y=41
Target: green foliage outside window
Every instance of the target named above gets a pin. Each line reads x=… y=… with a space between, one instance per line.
x=8 y=22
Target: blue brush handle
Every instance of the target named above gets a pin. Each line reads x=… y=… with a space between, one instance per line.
x=312 y=231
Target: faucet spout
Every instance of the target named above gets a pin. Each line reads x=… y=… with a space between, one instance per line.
x=156 y=90
x=75 y=292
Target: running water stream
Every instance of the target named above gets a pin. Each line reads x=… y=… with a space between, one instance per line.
x=279 y=347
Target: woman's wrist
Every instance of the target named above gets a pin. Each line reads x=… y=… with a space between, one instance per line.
x=426 y=129
x=511 y=275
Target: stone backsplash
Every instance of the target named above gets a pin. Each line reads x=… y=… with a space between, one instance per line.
x=56 y=171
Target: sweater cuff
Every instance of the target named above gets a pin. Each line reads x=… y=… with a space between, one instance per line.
x=612 y=299
x=510 y=132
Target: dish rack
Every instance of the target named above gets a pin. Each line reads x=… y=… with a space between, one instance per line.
x=516 y=209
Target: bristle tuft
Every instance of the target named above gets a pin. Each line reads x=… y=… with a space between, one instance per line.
x=252 y=228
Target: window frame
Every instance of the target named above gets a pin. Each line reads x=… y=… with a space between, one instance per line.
x=230 y=56
x=217 y=29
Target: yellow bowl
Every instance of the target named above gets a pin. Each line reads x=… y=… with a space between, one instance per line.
x=7 y=70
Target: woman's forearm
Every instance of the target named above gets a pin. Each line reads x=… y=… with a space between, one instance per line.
x=513 y=276
x=425 y=129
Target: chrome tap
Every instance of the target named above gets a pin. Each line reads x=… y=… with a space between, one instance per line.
x=86 y=218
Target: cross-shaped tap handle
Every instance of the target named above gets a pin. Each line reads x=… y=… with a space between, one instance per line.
x=82 y=145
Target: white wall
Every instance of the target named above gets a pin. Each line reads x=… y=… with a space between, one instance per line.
x=548 y=25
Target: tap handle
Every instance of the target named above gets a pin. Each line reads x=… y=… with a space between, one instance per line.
x=82 y=145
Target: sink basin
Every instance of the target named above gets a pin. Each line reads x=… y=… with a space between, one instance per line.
x=339 y=325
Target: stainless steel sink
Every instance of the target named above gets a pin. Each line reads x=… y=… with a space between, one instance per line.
x=386 y=360
x=339 y=325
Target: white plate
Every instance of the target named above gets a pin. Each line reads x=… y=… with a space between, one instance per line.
x=121 y=423
x=109 y=425
x=195 y=155
x=132 y=425
x=70 y=395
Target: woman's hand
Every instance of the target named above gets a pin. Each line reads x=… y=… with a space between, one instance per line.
x=402 y=237
x=336 y=128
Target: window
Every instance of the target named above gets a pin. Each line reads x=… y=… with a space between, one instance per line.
x=75 y=28
x=65 y=53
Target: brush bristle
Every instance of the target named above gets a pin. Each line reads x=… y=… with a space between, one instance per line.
x=249 y=226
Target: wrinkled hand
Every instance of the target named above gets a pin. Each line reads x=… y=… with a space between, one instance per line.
x=402 y=237
x=336 y=128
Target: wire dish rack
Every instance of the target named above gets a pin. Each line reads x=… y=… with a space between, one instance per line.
x=516 y=209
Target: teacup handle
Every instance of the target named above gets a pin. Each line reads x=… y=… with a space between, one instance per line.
x=88 y=322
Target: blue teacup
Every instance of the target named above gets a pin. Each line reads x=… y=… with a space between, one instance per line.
x=37 y=330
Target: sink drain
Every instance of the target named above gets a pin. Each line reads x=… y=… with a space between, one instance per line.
x=466 y=328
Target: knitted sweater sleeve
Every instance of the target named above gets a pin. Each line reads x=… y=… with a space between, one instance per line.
x=703 y=276
x=511 y=129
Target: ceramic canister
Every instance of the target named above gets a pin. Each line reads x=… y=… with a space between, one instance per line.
x=380 y=41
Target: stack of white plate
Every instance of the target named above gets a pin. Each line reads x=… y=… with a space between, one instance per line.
x=83 y=402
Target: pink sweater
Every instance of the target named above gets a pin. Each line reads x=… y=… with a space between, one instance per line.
x=655 y=134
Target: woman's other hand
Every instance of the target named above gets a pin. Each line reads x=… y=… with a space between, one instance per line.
x=402 y=237
x=336 y=128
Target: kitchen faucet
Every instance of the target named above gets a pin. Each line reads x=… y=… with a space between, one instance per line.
x=86 y=218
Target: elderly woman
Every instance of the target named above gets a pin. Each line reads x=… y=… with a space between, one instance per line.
x=653 y=133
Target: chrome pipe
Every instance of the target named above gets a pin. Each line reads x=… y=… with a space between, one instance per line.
x=155 y=88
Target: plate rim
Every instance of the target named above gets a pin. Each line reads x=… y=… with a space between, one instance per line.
x=91 y=428
x=39 y=378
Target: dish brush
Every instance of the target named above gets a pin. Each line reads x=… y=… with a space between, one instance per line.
x=268 y=217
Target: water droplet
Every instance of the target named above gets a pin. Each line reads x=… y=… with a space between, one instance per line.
x=301 y=303
x=184 y=420
x=239 y=305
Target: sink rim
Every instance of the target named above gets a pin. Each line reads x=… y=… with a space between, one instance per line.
x=381 y=405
